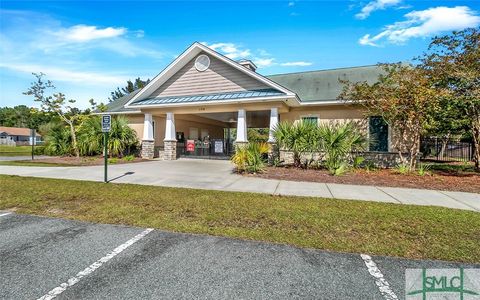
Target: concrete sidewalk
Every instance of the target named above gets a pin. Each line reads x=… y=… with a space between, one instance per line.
x=218 y=175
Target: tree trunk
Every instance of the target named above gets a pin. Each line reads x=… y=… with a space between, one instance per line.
x=476 y=144
x=444 y=145
x=74 y=139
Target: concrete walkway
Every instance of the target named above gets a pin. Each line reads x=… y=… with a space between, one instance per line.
x=217 y=175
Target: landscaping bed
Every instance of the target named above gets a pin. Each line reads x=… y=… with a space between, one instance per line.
x=71 y=161
x=447 y=177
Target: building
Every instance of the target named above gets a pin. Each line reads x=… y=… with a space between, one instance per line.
x=197 y=101
x=18 y=136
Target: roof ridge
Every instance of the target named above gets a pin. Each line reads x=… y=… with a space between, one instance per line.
x=322 y=70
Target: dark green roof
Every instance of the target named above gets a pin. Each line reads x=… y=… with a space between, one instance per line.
x=117 y=105
x=324 y=85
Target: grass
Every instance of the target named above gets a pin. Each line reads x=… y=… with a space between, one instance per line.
x=15 y=151
x=30 y=163
x=338 y=225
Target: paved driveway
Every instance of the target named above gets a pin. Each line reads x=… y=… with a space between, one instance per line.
x=46 y=257
x=217 y=175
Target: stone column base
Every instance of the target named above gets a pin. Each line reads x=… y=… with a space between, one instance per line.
x=170 y=150
x=147 y=149
x=240 y=144
x=272 y=153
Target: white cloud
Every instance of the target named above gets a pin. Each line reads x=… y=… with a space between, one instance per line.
x=260 y=57
x=263 y=62
x=291 y=3
x=425 y=23
x=375 y=5
x=85 y=33
x=296 y=64
x=230 y=50
x=73 y=76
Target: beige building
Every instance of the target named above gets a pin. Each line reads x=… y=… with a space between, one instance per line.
x=203 y=102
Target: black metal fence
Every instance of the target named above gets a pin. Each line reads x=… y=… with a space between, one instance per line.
x=446 y=150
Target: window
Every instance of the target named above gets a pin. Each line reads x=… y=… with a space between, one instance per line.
x=377 y=134
x=314 y=120
x=153 y=127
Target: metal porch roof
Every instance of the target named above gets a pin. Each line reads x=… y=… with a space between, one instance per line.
x=210 y=97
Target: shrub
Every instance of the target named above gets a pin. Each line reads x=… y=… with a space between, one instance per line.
x=112 y=160
x=423 y=169
x=39 y=150
x=121 y=138
x=129 y=157
x=338 y=141
x=299 y=138
x=250 y=158
x=402 y=169
x=58 y=139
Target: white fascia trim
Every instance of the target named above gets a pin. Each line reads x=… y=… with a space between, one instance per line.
x=331 y=102
x=188 y=54
x=118 y=112
x=216 y=102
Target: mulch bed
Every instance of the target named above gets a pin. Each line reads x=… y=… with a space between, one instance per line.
x=438 y=180
x=84 y=161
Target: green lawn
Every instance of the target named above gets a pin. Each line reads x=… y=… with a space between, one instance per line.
x=30 y=163
x=15 y=151
x=339 y=225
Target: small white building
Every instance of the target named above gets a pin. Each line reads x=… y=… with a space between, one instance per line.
x=18 y=136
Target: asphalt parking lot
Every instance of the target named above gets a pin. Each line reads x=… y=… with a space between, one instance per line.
x=47 y=257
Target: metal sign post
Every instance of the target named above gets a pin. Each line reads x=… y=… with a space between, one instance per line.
x=33 y=137
x=106 y=124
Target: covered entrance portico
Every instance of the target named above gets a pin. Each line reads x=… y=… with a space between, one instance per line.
x=204 y=132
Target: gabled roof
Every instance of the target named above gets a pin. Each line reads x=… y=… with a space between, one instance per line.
x=17 y=131
x=324 y=85
x=195 y=49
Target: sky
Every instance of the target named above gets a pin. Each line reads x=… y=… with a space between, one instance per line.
x=88 y=48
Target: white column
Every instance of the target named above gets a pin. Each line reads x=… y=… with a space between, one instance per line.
x=273 y=124
x=148 y=128
x=242 y=127
x=170 y=128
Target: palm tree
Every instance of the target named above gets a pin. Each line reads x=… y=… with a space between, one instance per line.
x=337 y=142
x=121 y=137
x=299 y=137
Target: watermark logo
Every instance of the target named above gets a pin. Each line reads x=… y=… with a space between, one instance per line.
x=448 y=284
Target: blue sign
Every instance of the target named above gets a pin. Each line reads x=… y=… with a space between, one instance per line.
x=106 y=123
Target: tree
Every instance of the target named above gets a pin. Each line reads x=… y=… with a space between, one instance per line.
x=404 y=96
x=453 y=62
x=55 y=103
x=129 y=88
x=23 y=116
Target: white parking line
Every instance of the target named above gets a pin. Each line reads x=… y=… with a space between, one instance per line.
x=381 y=282
x=90 y=269
x=5 y=214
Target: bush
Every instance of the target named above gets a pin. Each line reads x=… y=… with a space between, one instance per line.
x=423 y=169
x=250 y=158
x=121 y=139
x=39 y=150
x=129 y=158
x=58 y=140
x=335 y=141
x=299 y=138
x=338 y=141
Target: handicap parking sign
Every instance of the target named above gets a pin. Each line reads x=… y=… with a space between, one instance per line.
x=106 y=123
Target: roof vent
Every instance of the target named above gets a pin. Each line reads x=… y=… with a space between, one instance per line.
x=248 y=64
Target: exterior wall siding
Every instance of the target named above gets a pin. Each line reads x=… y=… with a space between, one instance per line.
x=219 y=77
